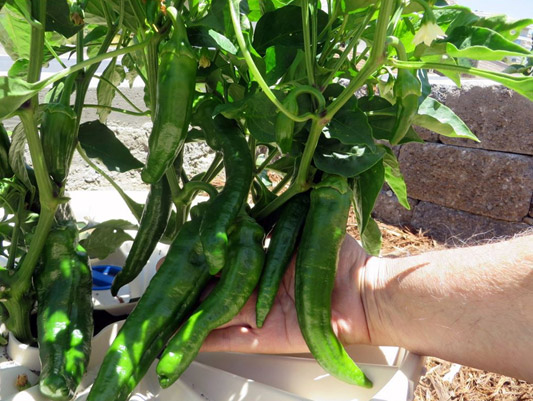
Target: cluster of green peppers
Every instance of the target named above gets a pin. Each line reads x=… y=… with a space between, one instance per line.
x=221 y=237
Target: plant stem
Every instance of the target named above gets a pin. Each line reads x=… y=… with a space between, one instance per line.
x=92 y=61
x=377 y=55
x=353 y=42
x=117 y=109
x=307 y=43
x=134 y=207
x=117 y=89
x=282 y=183
x=235 y=19
x=307 y=156
x=268 y=159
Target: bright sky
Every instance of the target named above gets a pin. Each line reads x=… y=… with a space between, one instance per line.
x=517 y=9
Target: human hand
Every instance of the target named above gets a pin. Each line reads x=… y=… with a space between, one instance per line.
x=280 y=332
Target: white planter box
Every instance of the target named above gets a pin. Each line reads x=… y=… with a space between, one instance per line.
x=221 y=376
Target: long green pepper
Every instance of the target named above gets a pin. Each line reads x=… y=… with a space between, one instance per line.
x=316 y=267
x=176 y=80
x=225 y=207
x=171 y=294
x=280 y=250
x=64 y=313
x=151 y=227
x=237 y=282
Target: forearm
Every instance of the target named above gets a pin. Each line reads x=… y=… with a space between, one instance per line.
x=471 y=305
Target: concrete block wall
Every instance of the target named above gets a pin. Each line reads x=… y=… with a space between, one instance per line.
x=461 y=190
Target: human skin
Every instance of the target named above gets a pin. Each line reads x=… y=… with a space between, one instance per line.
x=473 y=306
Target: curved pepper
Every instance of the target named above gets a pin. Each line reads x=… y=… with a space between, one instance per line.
x=151 y=227
x=237 y=282
x=316 y=267
x=171 y=294
x=225 y=207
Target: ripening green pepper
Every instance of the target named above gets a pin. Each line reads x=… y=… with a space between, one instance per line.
x=284 y=125
x=225 y=207
x=176 y=80
x=171 y=294
x=59 y=133
x=237 y=282
x=280 y=250
x=316 y=267
x=5 y=144
x=407 y=90
x=64 y=313
x=151 y=227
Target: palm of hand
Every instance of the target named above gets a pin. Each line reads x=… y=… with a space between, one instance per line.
x=280 y=333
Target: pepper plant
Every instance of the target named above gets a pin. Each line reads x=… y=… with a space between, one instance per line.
x=317 y=93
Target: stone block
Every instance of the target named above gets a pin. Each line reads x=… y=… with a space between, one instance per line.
x=492 y=184
x=499 y=117
x=427 y=135
x=389 y=210
x=457 y=227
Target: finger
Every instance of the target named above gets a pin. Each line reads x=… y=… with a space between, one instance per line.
x=250 y=340
x=158 y=265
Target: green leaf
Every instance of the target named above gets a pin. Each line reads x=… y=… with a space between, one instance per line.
x=201 y=36
x=509 y=30
x=58 y=18
x=118 y=224
x=15 y=33
x=99 y=142
x=371 y=238
x=104 y=240
x=438 y=118
x=258 y=110
x=2 y=3
x=278 y=59
x=19 y=69
x=284 y=165
x=114 y=74
x=334 y=157
x=394 y=177
x=480 y=43
x=367 y=187
x=17 y=160
x=351 y=127
x=14 y=92
x=283 y=27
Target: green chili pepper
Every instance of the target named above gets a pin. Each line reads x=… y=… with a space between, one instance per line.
x=171 y=294
x=151 y=227
x=316 y=265
x=176 y=80
x=280 y=250
x=284 y=125
x=59 y=134
x=237 y=282
x=5 y=144
x=64 y=313
x=407 y=90
x=225 y=207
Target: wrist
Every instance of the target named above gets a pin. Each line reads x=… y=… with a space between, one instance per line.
x=376 y=299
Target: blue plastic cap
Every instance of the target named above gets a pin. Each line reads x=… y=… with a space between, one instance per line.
x=103 y=276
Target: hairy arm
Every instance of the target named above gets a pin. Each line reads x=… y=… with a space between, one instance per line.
x=470 y=305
